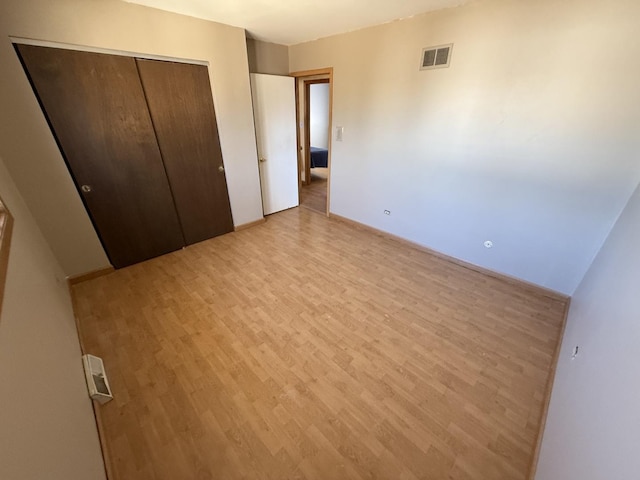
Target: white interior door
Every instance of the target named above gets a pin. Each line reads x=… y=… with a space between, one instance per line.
x=274 y=112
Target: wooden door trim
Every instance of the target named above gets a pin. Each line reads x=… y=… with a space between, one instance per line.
x=309 y=73
x=6 y=230
x=298 y=148
x=315 y=81
x=307 y=133
x=300 y=75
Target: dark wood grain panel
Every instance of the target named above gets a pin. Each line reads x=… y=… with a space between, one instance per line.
x=181 y=105
x=96 y=108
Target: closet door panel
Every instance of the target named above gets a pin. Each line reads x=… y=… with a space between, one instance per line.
x=96 y=108
x=181 y=106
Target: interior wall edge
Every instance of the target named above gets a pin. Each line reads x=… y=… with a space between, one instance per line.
x=40 y=352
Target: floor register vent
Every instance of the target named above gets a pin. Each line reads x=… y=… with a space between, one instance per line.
x=436 y=57
x=96 y=378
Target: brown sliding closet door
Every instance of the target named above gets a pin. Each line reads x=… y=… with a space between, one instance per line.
x=181 y=106
x=96 y=108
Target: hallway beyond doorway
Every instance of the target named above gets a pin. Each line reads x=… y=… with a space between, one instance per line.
x=314 y=195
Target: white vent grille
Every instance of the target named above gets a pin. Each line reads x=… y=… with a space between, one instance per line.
x=436 y=57
x=96 y=378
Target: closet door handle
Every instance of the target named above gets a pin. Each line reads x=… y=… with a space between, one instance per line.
x=85 y=188
x=221 y=169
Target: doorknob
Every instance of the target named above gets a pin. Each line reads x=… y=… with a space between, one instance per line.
x=85 y=188
x=221 y=169
x=262 y=159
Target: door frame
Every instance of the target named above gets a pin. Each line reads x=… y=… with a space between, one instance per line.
x=304 y=79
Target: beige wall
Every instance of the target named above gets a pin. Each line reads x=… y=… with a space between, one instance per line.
x=29 y=149
x=47 y=429
x=270 y=58
x=529 y=139
x=319 y=115
x=592 y=427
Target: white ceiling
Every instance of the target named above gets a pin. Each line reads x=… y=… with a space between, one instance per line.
x=295 y=21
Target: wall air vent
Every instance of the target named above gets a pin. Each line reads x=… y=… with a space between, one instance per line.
x=96 y=378
x=436 y=57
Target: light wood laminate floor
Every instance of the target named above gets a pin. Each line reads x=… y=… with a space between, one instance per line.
x=314 y=195
x=311 y=348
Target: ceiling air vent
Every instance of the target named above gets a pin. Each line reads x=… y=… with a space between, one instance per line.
x=436 y=57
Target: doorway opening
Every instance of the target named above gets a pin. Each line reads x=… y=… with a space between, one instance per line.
x=314 y=94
